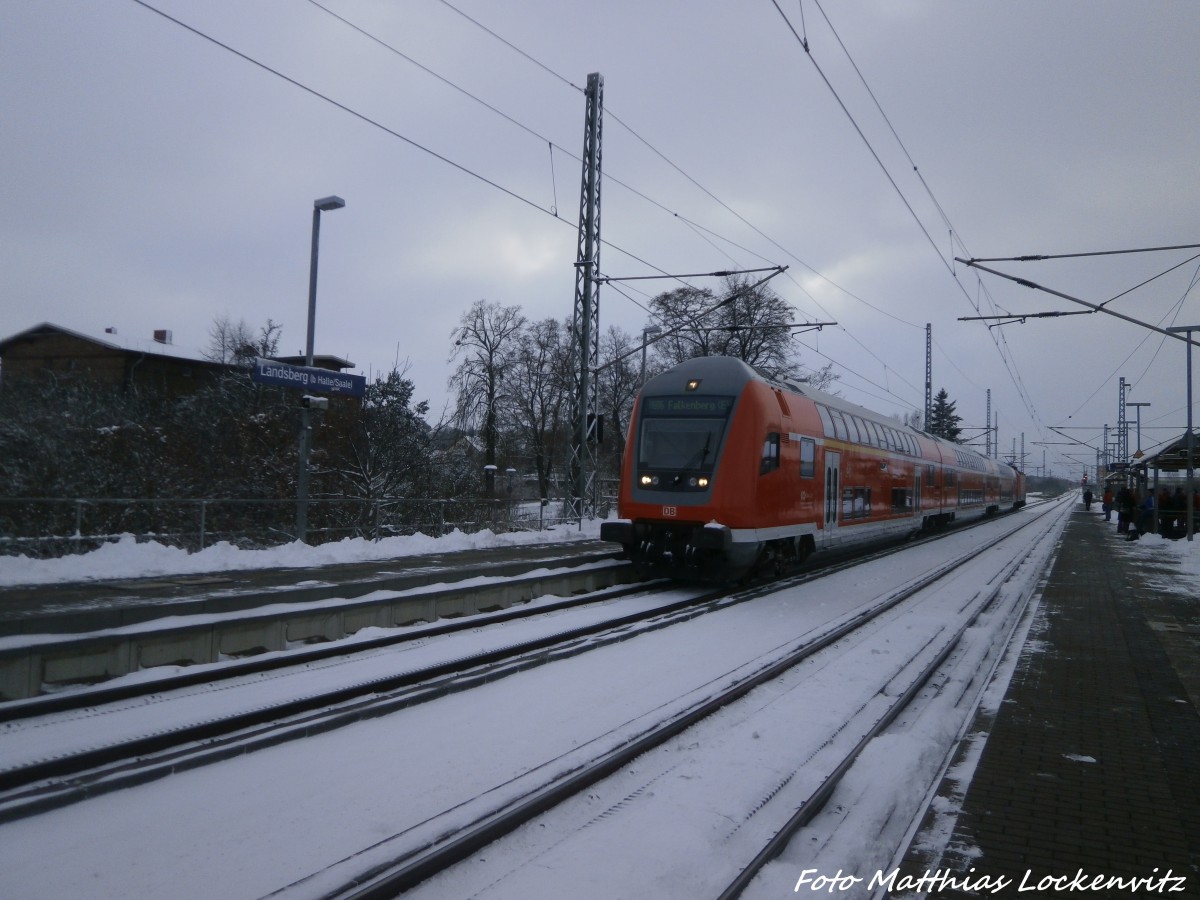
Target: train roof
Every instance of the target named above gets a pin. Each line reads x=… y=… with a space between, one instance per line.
x=727 y=373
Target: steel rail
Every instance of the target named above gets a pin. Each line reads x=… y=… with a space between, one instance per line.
x=408 y=869
x=809 y=809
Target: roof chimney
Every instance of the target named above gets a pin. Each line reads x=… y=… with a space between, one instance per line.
x=162 y=335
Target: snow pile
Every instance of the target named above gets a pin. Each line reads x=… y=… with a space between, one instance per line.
x=129 y=559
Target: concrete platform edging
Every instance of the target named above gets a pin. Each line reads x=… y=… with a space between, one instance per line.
x=44 y=663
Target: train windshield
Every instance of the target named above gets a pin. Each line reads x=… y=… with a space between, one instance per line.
x=682 y=433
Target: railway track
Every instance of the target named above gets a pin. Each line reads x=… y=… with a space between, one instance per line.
x=333 y=686
x=416 y=853
x=644 y=763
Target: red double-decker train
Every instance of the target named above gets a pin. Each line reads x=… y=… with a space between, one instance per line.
x=728 y=472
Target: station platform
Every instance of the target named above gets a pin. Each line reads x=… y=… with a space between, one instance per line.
x=113 y=602
x=1090 y=767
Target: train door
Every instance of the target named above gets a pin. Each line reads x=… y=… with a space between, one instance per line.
x=833 y=494
x=917 y=511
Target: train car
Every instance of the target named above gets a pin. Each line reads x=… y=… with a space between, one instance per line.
x=728 y=472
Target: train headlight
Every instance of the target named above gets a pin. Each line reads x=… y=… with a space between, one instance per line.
x=692 y=481
x=646 y=480
x=703 y=481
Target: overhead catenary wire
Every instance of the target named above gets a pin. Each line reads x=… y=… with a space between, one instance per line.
x=701 y=231
x=999 y=340
x=696 y=226
x=1038 y=257
x=552 y=211
x=377 y=124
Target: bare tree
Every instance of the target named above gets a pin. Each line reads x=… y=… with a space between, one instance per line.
x=617 y=386
x=680 y=313
x=266 y=344
x=484 y=342
x=227 y=339
x=538 y=381
x=750 y=322
x=235 y=343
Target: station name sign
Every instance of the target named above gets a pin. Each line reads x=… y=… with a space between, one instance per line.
x=308 y=378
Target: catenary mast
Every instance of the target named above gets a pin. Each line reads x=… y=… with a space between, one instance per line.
x=585 y=320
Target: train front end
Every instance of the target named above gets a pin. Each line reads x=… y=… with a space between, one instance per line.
x=681 y=487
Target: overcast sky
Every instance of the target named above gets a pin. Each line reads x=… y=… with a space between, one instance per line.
x=153 y=178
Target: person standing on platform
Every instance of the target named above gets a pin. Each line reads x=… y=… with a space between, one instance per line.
x=1108 y=503
x=1125 y=507
x=1143 y=522
x=1087 y=499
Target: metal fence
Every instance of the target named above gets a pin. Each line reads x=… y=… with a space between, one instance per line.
x=49 y=528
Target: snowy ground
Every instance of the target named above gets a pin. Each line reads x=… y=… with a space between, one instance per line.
x=129 y=559
x=190 y=834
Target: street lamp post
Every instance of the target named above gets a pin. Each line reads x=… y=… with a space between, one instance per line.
x=646 y=332
x=325 y=204
x=1191 y=439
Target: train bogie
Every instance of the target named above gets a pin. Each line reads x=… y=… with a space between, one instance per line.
x=727 y=472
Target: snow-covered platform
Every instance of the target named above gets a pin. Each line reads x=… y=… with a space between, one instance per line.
x=1086 y=777
x=135 y=591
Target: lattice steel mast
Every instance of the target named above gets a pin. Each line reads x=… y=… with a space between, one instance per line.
x=585 y=321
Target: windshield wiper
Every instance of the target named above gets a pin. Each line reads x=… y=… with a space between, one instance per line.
x=702 y=454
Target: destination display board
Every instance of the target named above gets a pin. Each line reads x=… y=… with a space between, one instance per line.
x=688 y=406
x=308 y=378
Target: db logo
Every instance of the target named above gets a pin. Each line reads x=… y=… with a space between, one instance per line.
x=670 y=512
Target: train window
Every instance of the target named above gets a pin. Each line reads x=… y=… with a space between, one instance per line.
x=839 y=425
x=808 y=457
x=826 y=420
x=770 y=454
x=856 y=503
x=861 y=427
x=682 y=434
x=901 y=500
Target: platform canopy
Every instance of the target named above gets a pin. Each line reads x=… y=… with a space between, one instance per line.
x=1173 y=457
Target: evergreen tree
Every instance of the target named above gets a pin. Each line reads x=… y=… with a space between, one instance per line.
x=943 y=421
